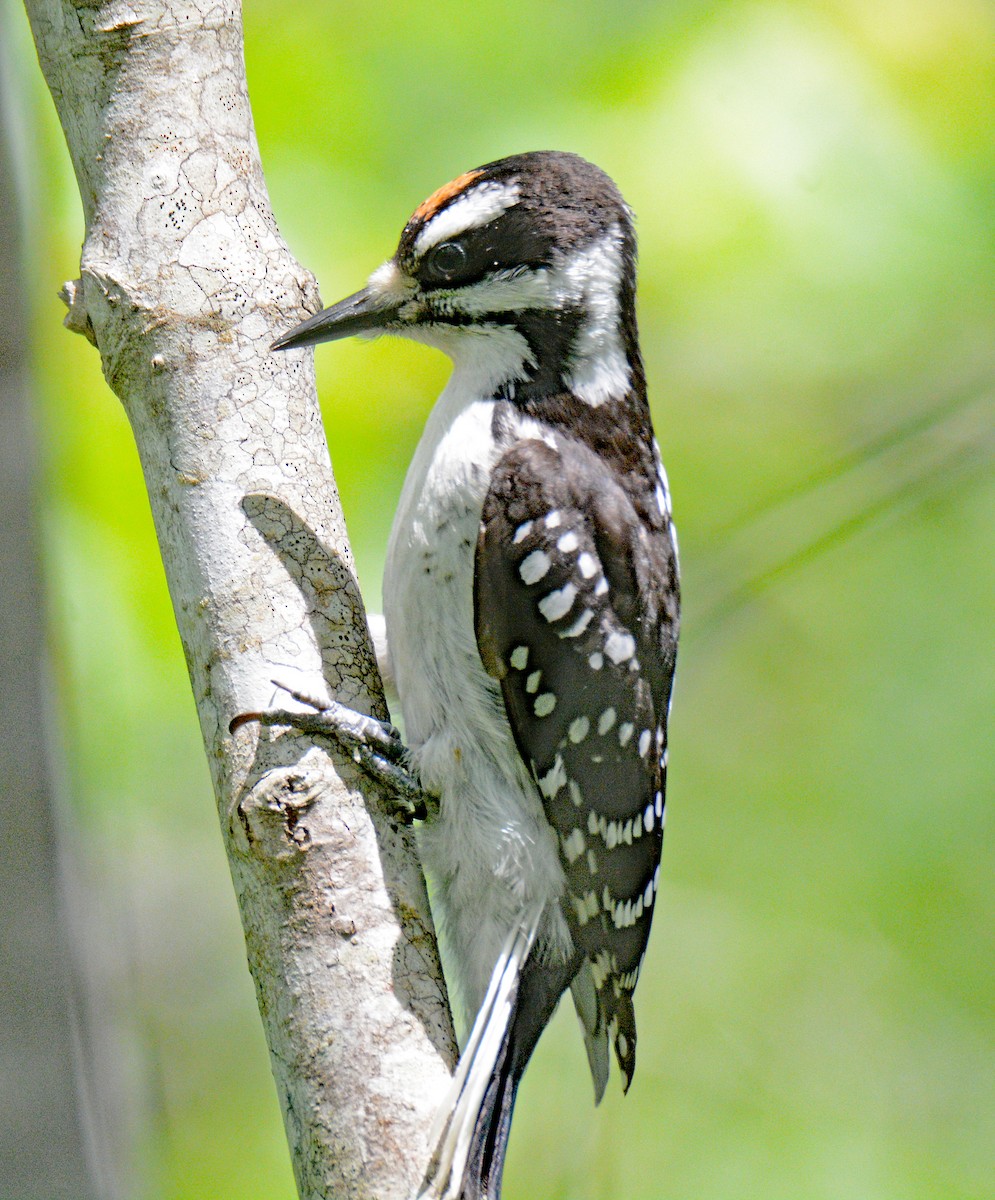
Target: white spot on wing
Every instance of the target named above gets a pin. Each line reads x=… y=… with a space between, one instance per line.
x=578 y=627
x=587 y=564
x=574 y=845
x=534 y=566
x=520 y=657
x=544 y=704
x=557 y=604
x=620 y=647
x=579 y=728
x=554 y=779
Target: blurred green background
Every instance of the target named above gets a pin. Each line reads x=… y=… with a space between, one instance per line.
x=815 y=193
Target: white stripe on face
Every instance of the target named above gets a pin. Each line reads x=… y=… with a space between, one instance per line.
x=588 y=279
x=504 y=291
x=474 y=208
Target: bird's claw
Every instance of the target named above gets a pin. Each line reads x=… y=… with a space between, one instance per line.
x=375 y=746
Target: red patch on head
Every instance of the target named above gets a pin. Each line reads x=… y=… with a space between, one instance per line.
x=428 y=208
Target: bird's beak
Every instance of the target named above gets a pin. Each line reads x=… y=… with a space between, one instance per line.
x=363 y=312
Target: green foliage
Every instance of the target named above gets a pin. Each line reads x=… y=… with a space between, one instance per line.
x=814 y=188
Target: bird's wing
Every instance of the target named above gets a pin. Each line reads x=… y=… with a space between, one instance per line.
x=561 y=584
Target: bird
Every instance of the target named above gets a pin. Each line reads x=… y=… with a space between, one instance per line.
x=532 y=608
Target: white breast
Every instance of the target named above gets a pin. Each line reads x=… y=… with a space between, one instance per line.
x=428 y=584
x=490 y=854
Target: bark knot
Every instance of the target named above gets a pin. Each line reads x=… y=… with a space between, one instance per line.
x=272 y=813
x=77 y=319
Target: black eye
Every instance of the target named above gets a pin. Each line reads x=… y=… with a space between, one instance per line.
x=445 y=261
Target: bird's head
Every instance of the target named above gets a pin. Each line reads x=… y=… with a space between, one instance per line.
x=523 y=268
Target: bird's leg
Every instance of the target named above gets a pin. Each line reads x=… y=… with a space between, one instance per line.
x=374 y=745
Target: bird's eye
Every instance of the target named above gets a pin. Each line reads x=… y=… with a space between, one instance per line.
x=446 y=260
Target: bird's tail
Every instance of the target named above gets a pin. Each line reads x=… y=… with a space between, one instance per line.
x=472 y=1128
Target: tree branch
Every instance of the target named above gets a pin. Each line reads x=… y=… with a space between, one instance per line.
x=183 y=281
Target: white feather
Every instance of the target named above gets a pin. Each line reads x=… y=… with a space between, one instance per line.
x=454 y=1124
x=474 y=208
x=490 y=853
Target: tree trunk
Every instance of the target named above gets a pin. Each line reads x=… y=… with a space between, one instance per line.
x=183 y=282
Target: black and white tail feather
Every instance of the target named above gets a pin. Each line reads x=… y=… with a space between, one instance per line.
x=532 y=607
x=475 y=1118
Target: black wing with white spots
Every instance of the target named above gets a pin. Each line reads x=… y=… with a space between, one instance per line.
x=575 y=596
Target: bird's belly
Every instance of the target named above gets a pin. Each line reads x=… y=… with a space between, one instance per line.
x=490 y=822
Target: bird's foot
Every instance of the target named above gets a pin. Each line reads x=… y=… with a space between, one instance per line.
x=374 y=745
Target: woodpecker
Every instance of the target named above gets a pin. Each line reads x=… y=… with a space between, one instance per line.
x=531 y=599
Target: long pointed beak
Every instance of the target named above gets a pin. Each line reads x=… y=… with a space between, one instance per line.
x=362 y=312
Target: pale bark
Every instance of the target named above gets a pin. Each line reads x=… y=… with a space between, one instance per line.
x=184 y=282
